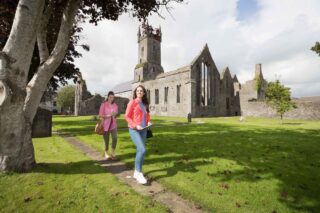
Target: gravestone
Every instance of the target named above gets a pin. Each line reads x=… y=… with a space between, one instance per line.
x=42 y=123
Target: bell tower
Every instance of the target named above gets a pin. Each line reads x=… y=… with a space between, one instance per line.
x=149 y=60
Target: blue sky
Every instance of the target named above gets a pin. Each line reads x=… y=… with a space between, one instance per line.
x=246 y=9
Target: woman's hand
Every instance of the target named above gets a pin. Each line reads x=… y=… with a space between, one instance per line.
x=149 y=123
x=139 y=127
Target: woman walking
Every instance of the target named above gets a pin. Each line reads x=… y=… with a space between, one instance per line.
x=108 y=112
x=138 y=118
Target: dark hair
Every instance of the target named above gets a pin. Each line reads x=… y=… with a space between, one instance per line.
x=144 y=97
x=110 y=93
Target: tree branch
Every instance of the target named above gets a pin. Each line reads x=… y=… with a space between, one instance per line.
x=20 y=43
x=39 y=81
x=42 y=33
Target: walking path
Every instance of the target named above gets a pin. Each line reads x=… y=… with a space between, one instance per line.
x=154 y=189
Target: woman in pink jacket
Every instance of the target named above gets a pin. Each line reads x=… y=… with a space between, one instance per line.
x=138 y=118
x=108 y=112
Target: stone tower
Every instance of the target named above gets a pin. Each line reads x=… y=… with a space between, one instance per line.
x=149 y=61
x=261 y=83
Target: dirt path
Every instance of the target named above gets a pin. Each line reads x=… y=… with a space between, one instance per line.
x=154 y=189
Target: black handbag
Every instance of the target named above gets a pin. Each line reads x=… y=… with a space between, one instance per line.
x=149 y=133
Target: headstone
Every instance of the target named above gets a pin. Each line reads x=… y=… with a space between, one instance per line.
x=42 y=123
x=189 y=118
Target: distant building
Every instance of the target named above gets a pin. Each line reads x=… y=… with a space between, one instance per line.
x=199 y=88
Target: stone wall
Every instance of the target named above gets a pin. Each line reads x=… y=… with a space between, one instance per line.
x=91 y=106
x=171 y=80
x=199 y=108
x=304 y=110
x=122 y=104
x=222 y=100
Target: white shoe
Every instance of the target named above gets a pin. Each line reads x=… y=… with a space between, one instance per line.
x=139 y=177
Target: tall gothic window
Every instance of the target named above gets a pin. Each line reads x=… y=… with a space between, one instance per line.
x=148 y=96
x=205 y=84
x=156 y=99
x=178 y=93
x=227 y=103
x=166 y=91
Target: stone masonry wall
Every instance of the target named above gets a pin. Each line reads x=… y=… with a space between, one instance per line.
x=91 y=106
x=170 y=80
x=122 y=104
x=305 y=111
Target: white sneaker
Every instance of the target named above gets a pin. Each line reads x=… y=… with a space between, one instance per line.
x=139 y=177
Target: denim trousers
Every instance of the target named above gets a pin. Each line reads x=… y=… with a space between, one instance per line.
x=139 y=138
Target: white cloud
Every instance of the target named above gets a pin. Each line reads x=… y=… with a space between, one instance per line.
x=279 y=35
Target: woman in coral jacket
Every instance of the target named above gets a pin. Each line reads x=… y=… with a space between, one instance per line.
x=138 y=118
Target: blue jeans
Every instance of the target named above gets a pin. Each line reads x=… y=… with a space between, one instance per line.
x=139 y=138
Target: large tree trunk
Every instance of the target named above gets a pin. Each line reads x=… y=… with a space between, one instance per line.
x=19 y=99
x=16 y=150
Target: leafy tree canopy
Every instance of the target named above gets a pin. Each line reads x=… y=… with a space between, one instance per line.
x=66 y=96
x=279 y=98
x=316 y=48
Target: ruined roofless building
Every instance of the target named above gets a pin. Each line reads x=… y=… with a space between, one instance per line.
x=197 y=88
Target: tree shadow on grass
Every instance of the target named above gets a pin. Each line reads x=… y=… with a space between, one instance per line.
x=292 y=124
x=290 y=156
x=86 y=127
x=80 y=167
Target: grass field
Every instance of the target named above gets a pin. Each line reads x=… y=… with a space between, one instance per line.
x=67 y=181
x=260 y=165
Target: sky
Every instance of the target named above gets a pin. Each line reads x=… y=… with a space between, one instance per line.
x=240 y=33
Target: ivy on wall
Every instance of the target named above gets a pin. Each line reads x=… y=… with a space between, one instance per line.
x=140 y=65
x=258 y=83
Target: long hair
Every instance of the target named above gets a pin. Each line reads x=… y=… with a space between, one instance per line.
x=110 y=93
x=145 y=100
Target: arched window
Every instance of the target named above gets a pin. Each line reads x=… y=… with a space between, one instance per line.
x=205 y=85
x=156 y=100
x=148 y=96
x=227 y=103
x=166 y=91
x=178 y=93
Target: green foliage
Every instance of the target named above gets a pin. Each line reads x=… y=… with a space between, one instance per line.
x=140 y=65
x=262 y=165
x=258 y=83
x=92 y=11
x=66 y=97
x=279 y=98
x=316 y=48
x=67 y=69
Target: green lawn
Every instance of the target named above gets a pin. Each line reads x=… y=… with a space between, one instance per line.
x=259 y=165
x=67 y=181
